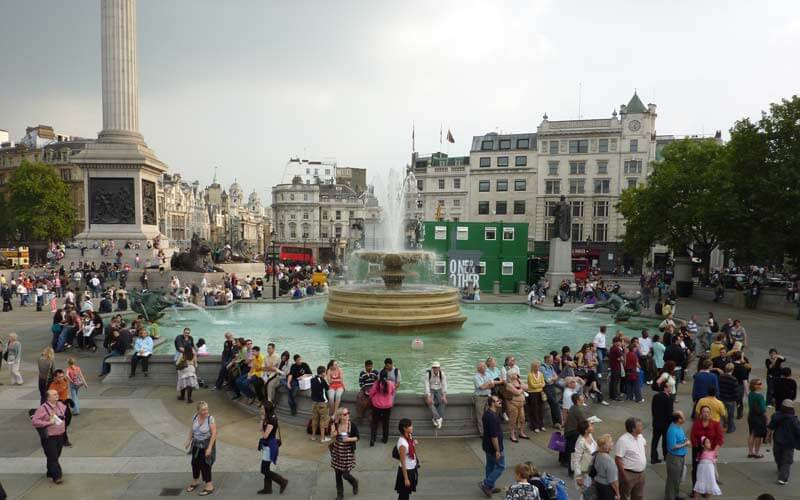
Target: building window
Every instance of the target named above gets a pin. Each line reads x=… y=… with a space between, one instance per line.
x=292 y=230
x=603 y=146
x=439 y=267
x=548 y=230
x=577 y=208
x=507 y=269
x=487 y=145
x=293 y=216
x=327 y=171
x=576 y=186
x=519 y=207
x=632 y=167
x=456 y=203
x=505 y=143
x=501 y=185
x=440 y=233
x=66 y=174
x=440 y=203
x=462 y=233
x=602 y=167
x=502 y=161
x=441 y=183
x=308 y=171
x=520 y=185
x=632 y=181
x=553 y=147
x=484 y=162
x=579 y=146
x=634 y=145
x=523 y=143
x=483 y=208
x=456 y=183
x=352 y=214
x=291 y=196
x=490 y=233
x=600 y=209
x=508 y=234
x=577 y=232
x=602 y=186
x=552 y=186
x=600 y=231
x=338 y=215
x=552 y=168
x=500 y=208
x=482 y=268
x=323 y=234
x=483 y=186
x=577 y=168
x=305 y=215
x=305 y=197
x=337 y=231
x=420 y=203
x=420 y=184
x=549 y=208
x=520 y=161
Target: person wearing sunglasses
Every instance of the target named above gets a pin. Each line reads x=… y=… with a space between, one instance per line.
x=343 y=450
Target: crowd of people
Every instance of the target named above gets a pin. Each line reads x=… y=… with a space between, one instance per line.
x=559 y=390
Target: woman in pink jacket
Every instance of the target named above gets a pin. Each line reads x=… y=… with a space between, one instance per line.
x=382 y=398
x=50 y=420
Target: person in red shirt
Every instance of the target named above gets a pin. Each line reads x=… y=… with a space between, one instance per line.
x=632 y=387
x=60 y=384
x=704 y=427
x=615 y=363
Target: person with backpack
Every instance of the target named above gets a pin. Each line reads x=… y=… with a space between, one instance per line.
x=583 y=458
x=522 y=489
x=435 y=383
x=201 y=445
x=382 y=398
x=785 y=429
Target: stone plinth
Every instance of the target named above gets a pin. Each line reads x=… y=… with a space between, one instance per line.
x=559 y=266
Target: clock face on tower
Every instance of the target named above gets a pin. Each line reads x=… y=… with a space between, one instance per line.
x=634 y=125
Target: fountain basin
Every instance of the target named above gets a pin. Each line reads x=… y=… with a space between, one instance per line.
x=409 y=308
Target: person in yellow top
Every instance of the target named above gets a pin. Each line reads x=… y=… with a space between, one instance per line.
x=716 y=346
x=717 y=407
x=536 y=397
x=254 y=383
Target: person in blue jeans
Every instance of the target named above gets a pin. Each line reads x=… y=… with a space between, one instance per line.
x=492 y=446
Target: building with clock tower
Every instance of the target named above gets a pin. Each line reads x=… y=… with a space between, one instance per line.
x=591 y=161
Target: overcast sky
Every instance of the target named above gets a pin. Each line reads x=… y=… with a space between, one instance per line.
x=246 y=84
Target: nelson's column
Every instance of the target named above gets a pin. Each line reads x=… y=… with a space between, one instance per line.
x=120 y=172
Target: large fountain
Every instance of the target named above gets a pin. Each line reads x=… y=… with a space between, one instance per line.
x=395 y=305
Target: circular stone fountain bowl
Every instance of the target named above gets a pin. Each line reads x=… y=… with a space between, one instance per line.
x=409 y=308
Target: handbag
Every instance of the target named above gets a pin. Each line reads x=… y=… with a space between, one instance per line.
x=557 y=442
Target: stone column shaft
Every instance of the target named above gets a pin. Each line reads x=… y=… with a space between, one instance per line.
x=120 y=77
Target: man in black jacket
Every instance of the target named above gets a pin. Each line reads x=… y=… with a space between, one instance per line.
x=183 y=341
x=228 y=353
x=675 y=352
x=662 y=416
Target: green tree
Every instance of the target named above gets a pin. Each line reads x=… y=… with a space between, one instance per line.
x=39 y=207
x=763 y=159
x=680 y=206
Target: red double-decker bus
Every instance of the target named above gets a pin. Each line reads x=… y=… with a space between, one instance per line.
x=297 y=255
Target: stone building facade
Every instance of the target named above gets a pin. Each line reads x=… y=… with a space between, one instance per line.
x=327 y=219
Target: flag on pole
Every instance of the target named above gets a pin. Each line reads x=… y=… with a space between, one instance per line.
x=440 y=134
x=450 y=138
x=413 y=138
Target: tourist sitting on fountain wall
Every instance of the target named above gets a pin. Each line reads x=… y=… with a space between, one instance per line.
x=558 y=300
x=298 y=372
x=435 y=383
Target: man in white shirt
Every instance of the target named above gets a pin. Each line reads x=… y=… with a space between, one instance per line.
x=600 y=343
x=631 y=460
x=435 y=383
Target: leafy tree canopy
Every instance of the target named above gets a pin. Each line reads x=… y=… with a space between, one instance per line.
x=38 y=206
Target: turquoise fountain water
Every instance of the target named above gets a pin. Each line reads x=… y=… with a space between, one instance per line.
x=496 y=330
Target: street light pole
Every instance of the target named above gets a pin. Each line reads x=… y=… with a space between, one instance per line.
x=274 y=272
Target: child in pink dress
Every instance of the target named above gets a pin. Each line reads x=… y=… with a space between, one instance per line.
x=707 y=477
